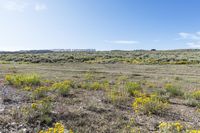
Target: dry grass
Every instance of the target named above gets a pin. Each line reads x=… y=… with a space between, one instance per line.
x=99 y=100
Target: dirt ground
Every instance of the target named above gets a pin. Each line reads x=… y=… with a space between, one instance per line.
x=88 y=111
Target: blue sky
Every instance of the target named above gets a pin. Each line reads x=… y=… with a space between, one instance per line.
x=99 y=24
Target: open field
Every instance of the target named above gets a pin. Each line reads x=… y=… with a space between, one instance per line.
x=95 y=108
x=99 y=66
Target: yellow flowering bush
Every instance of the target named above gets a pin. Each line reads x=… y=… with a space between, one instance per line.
x=175 y=127
x=149 y=105
x=27 y=88
x=43 y=106
x=193 y=131
x=96 y=86
x=133 y=88
x=58 y=128
x=171 y=127
x=23 y=79
x=34 y=106
x=39 y=110
x=196 y=95
x=40 y=92
x=62 y=88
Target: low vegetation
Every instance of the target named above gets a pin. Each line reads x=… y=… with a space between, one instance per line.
x=40 y=92
x=91 y=101
x=149 y=105
x=62 y=88
x=175 y=127
x=173 y=90
x=133 y=88
x=58 y=128
x=23 y=79
x=130 y=57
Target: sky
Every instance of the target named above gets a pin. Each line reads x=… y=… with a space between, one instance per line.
x=99 y=24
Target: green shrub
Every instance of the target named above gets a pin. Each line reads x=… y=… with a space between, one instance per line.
x=116 y=96
x=133 y=87
x=122 y=80
x=171 y=127
x=150 y=85
x=89 y=76
x=39 y=110
x=178 y=78
x=196 y=95
x=92 y=86
x=23 y=79
x=176 y=127
x=27 y=88
x=62 y=88
x=173 y=90
x=40 y=92
x=58 y=128
x=96 y=86
x=84 y=85
x=106 y=85
x=149 y=105
x=162 y=95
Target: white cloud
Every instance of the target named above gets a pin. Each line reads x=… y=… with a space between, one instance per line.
x=192 y=38
x=11 y=5
x=40 y=7
x=183 y=34
x=194 y=44
x=122 y=42
x=21 y=5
